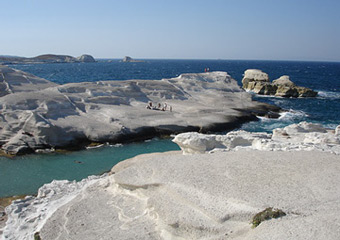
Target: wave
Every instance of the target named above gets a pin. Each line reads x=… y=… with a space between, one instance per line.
x=328 y=95
x=292 y=115
x=116 y=145
x=268 y=124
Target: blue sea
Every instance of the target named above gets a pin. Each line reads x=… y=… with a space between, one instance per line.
x=25 y=174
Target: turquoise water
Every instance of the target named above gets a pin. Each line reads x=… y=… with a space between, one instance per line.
x=25 y=174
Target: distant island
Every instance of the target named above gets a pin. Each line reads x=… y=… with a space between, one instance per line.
x=46 y=58
x=130 y=59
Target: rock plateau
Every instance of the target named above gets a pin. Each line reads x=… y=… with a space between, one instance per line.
x=38 y=114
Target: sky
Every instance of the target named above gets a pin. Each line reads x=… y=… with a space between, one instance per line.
x=173 y=29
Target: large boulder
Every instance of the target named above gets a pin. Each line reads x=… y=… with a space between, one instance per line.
x=286 y=88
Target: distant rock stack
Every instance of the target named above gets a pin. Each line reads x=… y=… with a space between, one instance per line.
x=86 y=58
x=258 y=82
x=127 y=59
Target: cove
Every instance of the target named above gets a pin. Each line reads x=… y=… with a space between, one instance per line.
x=25 y=174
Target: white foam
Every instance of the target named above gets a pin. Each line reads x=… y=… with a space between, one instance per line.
x=328 y=95
x=292 y=114
x=116 y=145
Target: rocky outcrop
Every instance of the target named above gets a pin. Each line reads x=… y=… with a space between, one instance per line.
x=45 y=115
x=257 y=81
x=46 y=58
x=295 y=137
x=86 y=58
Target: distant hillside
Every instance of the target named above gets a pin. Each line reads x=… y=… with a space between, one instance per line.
x=46 y=58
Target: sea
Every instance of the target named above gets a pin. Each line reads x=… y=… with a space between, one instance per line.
x=23 y=175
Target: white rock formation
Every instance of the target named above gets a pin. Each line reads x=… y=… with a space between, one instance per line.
x=200 y=196
x=302 y=136
x=70 y=114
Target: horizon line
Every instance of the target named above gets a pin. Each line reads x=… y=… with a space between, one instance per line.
x=192 y=59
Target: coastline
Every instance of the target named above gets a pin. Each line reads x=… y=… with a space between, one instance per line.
x=221 y=190
x=129 y=176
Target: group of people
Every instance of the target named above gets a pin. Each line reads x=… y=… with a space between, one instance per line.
x=206 y=69
x=159 y=106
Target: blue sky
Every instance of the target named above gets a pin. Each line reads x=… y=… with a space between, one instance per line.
x=189 y=29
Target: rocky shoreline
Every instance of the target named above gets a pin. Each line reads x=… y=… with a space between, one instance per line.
x=213 y=193
x=38 y=115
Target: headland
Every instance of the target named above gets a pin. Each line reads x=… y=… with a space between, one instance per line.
x=46 y=58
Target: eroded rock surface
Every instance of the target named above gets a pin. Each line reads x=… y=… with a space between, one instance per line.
x=38 y=114
x=16 y=81
x=201 y=196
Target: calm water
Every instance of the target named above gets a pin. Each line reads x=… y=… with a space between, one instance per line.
x=23 y=175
